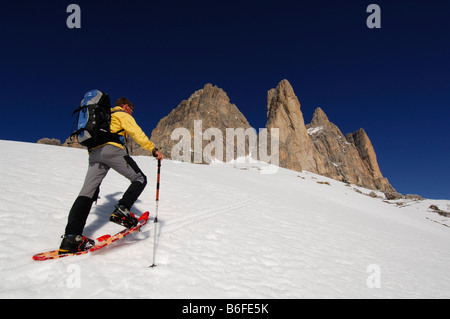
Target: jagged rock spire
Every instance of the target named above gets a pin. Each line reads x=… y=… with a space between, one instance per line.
x=297 y=151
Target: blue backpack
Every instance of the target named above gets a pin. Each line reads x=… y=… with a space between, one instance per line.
x=94 y=120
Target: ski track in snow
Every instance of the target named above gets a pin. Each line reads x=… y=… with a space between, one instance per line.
x=224 y=231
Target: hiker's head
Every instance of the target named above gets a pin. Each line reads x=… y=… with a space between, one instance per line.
x=125 y=104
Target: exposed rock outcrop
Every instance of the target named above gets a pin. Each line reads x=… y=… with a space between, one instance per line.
x=369 y=158
x=296 y=150
x=49 y=141
x=72 y=142
x=320 y=147
x=350 y=159
x=204 y=117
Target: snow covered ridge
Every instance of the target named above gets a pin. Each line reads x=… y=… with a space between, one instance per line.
x=225 y=231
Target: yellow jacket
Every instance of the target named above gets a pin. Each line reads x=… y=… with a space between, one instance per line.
x=120 y=120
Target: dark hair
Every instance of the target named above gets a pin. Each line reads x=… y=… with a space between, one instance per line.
x=121 y=101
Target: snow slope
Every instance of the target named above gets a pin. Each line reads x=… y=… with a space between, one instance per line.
x=225 y=231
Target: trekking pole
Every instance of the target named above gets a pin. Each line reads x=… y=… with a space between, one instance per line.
x=155 y=221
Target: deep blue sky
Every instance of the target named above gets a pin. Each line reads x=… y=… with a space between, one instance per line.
x=394 y=82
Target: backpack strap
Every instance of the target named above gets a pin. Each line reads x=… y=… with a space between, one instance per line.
x=79 y=109
x=115 y=111
x=115 y=136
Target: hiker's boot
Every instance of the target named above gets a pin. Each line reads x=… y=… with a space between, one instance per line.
x=75 y=244
x=122 y=216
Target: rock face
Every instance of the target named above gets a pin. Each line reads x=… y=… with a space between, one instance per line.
x=341 y=158
x=369 y=158
x=72 y=142
x=320 y=147
x=350 y=159
x=297 y=151
x=201 y=119
x=48 y=141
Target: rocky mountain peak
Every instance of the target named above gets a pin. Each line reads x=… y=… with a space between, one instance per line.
x=297 y=151
x=320 y=147
x=207 y=108
x=319 y=118
x=367 y=152
x=283 y=107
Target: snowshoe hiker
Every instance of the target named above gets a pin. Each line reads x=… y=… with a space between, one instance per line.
x=102 y=157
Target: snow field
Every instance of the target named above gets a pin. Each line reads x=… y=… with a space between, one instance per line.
x=224 y=231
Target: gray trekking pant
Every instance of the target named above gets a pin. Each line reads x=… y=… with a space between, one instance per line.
x=101 y=160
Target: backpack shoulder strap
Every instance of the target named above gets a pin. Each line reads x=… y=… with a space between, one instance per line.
x=115 y=111
x=78 y=109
